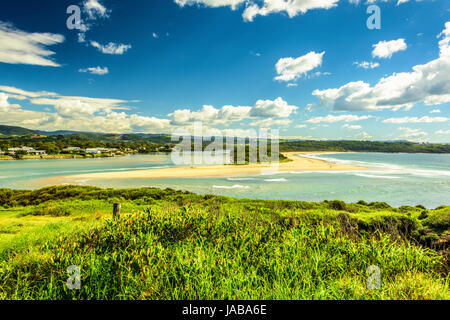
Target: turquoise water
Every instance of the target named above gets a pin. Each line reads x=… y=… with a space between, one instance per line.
x=398 y=179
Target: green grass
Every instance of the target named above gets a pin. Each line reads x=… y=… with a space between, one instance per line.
x=176 y=245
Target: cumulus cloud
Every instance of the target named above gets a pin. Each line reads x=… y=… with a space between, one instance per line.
x=95 y=9
x=424 y=119
x=3 y=100
x=72 y=107
x=277 y=108
x=76 y=113
x=111 y=48
x=435 y=111
x=367 y=65
x=20 y=47
x=255 y=7
x=291 y=69
x=428 y=83
x=444 y=132
x=385 y=49
x=112 y=115
x=364 y=136
x=414 y=134
x=267 y=123
x=333 y=119
x=351 y=127
x=211 y=3
x=95 y=70
x=291 y=7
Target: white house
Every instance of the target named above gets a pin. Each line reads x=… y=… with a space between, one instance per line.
x=27 y=150
x=72 y=149
x=100 y=150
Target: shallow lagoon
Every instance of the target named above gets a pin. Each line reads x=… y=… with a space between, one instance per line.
x=398 y=179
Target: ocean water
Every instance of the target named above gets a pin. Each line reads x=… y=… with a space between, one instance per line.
x=398 y=179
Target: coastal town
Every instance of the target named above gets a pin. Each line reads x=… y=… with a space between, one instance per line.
x=24 y=151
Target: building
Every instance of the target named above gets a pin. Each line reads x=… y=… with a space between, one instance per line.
x=1 y=153
x=72 y=149
x=27 y=150
x=101 y=150
x=38 y=152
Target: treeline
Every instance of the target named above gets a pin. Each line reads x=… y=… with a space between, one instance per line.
x=142 y=143
x=363 y=146
x=57 y=144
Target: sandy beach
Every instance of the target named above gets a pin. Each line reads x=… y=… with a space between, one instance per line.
x=298 y=163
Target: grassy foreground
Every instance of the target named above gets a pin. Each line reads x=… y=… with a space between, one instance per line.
x=177 y=245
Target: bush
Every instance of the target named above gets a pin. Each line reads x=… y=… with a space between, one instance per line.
x=54 y=211
x=338 y=205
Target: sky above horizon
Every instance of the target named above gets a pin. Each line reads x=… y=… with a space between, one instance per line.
x=311 y=69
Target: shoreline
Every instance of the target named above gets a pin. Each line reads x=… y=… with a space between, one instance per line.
x=298 y=163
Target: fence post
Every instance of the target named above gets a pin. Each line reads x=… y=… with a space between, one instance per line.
x=116 y=210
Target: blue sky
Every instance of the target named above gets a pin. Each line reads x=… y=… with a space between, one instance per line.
x=311 y=69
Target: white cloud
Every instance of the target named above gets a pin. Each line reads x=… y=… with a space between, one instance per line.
x=77 y=113
x=73 y=107
x=435 y=111
x=3 y=100
x=364 y=136
x=111 y=48
x=428 y=83
x=255 y=7
x=20 y=47
x=333 y=119
x=30 y=94
x=211 y=3
x=399 y=2
x=291 y=7
x=409 y=133
x=267 y=123
x=291 y=69
x=95 y=70
x=277 y=108
x=367 y=65
x=443 y=132
x=424 y=119
x=351 y=127
x=95 y=9
x=112 y=115
x=301 y=126
x=385 y=49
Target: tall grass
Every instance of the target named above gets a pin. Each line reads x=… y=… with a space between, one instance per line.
x=193 y=247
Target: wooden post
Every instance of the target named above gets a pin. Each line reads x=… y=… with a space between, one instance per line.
x=116 y=210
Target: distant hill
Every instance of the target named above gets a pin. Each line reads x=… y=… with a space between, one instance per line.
x=56 y=133
x=15 y=131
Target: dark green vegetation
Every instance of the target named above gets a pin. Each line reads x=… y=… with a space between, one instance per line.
x=364 y=146
x=55 y=142
x=170 y=244
x=15 y=131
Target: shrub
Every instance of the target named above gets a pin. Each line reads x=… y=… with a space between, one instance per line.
x=338 y=205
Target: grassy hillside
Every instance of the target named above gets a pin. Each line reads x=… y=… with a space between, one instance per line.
x=15 y=131
x=177 y=245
